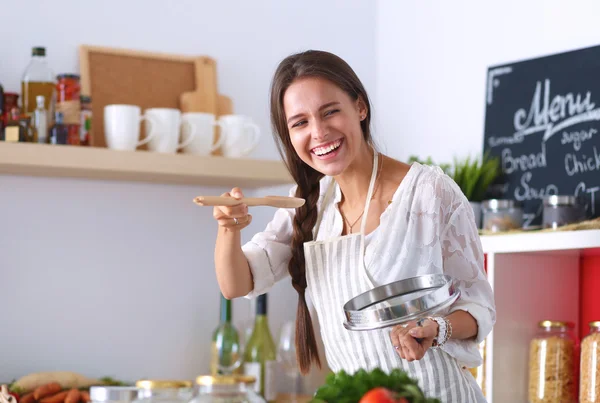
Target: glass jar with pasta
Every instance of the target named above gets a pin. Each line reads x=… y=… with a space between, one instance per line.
x=589 y=387
x=552 y=363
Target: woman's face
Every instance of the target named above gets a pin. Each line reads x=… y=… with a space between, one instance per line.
x=324 y=124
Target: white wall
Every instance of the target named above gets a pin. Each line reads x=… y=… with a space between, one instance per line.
x=432 y=59
x=118 y=278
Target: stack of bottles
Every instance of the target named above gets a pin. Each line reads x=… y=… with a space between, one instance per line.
x=259 y=358
x=50 y=109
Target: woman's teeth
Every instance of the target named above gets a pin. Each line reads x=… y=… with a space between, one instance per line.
x=326 y=150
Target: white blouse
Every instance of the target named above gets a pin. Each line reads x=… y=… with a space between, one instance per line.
x=428 y=228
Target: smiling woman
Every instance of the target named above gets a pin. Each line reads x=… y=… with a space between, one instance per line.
x=414 y=220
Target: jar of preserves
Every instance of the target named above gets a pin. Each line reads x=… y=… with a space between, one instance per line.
x=502 y=215
x=68 y=92
x=226 y=389
x=11 y=101
x=589 y=387
x=552 y=363
x=164 y=391
x=562 y=210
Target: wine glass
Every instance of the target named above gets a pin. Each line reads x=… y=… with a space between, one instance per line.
x=286 y=356
x=229 y=350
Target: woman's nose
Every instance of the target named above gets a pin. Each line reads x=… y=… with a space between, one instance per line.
x=320 y=131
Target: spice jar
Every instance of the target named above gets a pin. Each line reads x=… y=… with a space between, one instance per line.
x=85 y=121
x=113 y=394
x=226 y=389
x=502 y=215
x=589 y=386
x=68 y=91
x=562 y=210
x=163 y=391
x=552 y=364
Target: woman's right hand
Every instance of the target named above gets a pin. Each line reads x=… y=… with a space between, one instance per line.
x=233 y=218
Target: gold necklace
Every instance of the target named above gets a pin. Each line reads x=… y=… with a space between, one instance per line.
x=372 y=197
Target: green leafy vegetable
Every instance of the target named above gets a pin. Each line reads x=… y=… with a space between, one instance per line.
x=14 y=388
x=344 y=388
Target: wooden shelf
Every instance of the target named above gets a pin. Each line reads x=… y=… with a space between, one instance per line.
x=541 y=242
x=138 y=166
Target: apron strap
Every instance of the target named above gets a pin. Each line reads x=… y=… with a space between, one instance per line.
x=320 y=210
x=363 y=224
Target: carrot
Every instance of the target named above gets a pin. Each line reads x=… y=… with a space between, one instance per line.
x=73 y=396
x=56 y=398
x=27 y=398
x=85 y=396
x=46 y=390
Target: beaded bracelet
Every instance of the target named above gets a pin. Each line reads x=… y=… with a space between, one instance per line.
x=444 y=331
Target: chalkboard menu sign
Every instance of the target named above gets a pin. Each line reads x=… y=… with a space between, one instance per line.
x=542 y=120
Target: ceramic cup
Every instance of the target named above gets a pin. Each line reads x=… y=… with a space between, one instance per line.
x=122 y=127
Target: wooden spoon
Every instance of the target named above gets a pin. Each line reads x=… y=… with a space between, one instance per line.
x=272 y=201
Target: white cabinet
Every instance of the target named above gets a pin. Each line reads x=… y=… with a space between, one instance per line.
x=535 y=276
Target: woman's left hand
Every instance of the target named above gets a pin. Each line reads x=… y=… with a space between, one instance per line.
x=403 y=339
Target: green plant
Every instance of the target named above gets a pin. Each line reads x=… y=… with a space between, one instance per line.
x=429 y=161
x=474 y=175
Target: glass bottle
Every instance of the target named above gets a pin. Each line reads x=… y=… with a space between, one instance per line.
x=85 y=125
x=40 y=121
x=260 y=356
x=589 y=386
x=59 y=132
x=226 y=354
x=28 y=131
x=38 y=79
x=552 y=363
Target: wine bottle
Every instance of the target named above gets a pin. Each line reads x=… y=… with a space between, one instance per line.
x=260 y=355
x=226 y=354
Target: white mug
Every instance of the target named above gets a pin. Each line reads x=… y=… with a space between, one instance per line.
x=204 y=125
x=241 y=135
x=122 y=127
x=168 y=129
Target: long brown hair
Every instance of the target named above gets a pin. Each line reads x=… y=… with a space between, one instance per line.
x=328 y=66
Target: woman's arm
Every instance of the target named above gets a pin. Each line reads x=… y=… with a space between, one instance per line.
x=473 y=314
x=232 y=269
x=251 y=269
x=464 y=326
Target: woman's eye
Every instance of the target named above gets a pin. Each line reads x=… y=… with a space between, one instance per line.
x=299 y=123
x=331 y=112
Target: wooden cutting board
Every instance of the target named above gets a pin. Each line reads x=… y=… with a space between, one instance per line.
x=146 y=79
x=206 y=97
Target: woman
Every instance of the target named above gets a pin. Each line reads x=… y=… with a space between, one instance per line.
x=368 y=220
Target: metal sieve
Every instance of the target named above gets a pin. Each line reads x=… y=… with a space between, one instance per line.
x=400 y=302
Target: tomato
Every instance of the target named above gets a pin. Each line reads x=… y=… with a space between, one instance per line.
x=16 y=395
x=381 y=395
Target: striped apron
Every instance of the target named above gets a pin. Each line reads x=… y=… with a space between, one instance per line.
x=335 y=273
